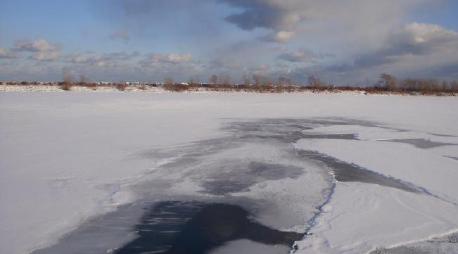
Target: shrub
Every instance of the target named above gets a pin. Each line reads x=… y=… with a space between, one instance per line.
x=176 y=87
x=66 y=86
x=121 y=86
x=92 y=86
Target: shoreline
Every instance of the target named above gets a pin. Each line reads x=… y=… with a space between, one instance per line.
x=159 y=89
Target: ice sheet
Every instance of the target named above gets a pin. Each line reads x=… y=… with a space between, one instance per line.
x=69 y=157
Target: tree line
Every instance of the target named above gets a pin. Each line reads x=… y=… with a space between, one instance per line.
x=256 y=83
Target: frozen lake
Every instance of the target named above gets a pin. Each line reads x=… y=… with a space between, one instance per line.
x=227 y=173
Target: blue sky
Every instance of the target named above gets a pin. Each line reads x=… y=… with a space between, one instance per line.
x=340 y=41
x=444 y=14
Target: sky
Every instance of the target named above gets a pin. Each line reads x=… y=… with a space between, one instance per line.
x=344 y=42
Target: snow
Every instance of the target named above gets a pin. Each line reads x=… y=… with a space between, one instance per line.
x=361 y=217
x=358 y=208
x=68 y=157
x=77 y=88
x=423 y=167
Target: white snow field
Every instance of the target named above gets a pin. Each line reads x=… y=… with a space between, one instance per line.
x=358 y=173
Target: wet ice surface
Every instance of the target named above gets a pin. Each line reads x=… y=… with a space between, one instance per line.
x=247 y=246
x=251 y=180
x=422 y=143
x=330 y=136
x=225 y=181
x=452 y=157
x=100 y=234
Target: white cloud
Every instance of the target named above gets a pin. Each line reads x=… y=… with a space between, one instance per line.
x=280 y=36
x=365 y=37
x=365 y=19
x=42 y=50
x=361 y=39
x=413 y=51
x=35 y=46
x=46 y=55
x=102 y=60
x=420 y=41
x=429 y=34
x=7 y=54
x=177 y=66
x=172 y=58
x=302 y=56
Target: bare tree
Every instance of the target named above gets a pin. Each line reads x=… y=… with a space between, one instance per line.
x=68 y=80
x=315 y=82
x=84 y=79
x=213 y=79
x=169 y=84
x=121 y=86
x=284 y=81
x=168 y=81
x=257 y=79
x=454 y=86
x=388 y=81
x=225 y=80
x=246 y=80
x=192 y=82
x=68 y=77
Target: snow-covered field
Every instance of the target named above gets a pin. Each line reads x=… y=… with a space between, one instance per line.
x=356 y=172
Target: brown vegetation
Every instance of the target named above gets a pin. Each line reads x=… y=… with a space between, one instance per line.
x=67 y=84
x=121 y=86
x=417 y=86
x=261 y=84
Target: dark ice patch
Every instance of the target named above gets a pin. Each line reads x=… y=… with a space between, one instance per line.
x=349 y=172
x=191 y=227
x=271 y=171
x=331 y=136
x=223 y=187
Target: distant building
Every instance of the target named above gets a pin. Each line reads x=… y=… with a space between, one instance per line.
x=129 y=83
